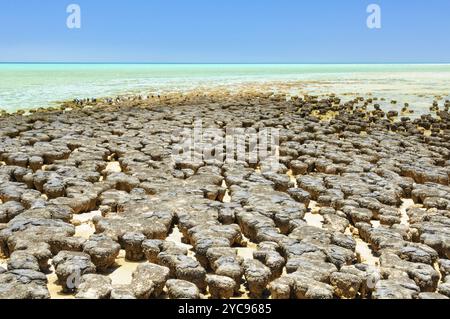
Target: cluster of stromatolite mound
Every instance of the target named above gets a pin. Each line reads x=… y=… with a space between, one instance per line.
x=356 y=168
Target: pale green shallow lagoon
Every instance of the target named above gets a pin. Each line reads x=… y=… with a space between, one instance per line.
x=25 y=86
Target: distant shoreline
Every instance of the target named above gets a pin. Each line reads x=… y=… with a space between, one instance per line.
x=33 y=85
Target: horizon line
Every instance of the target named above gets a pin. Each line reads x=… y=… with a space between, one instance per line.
x=230 y=63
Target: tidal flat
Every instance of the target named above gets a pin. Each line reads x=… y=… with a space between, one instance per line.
x=93 y=205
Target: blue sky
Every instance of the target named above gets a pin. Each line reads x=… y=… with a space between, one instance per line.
x=231 y=31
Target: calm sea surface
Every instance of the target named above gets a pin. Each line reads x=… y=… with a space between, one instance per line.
x=24 y=86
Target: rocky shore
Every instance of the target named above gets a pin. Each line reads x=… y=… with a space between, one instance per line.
x=93 y=206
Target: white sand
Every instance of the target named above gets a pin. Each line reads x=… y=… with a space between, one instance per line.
x=84 y=230
x=176 y=237
x=292 y=177
x=113 y=167
x=86 y=218
x=375 y=223
x=246 y=252
x=84 y=227
x=407 y=203
x=363 y=252
x=313 y=219
x=3 y=263
x=122 y=273
x=227 y=197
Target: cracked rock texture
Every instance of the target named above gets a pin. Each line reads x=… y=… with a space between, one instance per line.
x=93 y=205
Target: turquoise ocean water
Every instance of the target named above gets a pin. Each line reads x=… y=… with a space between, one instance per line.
x=25 y=86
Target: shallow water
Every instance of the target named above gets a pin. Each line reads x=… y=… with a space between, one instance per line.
x=25 y=86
